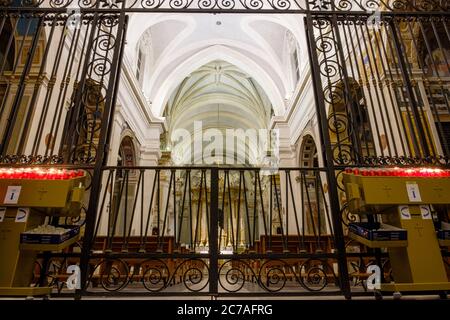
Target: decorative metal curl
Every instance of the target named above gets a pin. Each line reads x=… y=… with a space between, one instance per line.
x=207 y=4
x=180 y=4
x=226 y=4
x=252 y=4
x=280 y=4
x=83 y=154
x=113 y=274
x=156 y=276
x=150 y=4
x=338 y=123
x=58 y=3
x=316 y=272
x=347 y=216
x=343 y=154
x=87 y=3
x=273 y=272
x=235 y=277
x=194 y=275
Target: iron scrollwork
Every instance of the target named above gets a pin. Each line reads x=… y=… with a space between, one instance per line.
x=157 y=275
x=251 y=5
x=274 y=275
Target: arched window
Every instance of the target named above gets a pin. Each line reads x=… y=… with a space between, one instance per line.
x=140 y=65
x=143 y=56
x=294 y=56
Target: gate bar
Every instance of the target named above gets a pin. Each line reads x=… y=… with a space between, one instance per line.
x=328 y=159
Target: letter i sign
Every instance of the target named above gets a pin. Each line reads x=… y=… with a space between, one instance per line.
x=12 y=195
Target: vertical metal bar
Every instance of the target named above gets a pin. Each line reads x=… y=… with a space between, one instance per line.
x=63 y=91
x=246 y=209
x=174 y=209
x=230 y=205
x=427 y=84
x=351 y=50
x=158 y=206
x=377 y=83
x=223 y=210
x=238 y=219
x=77 y=102
x=328 y=157
x=10 y=124
x=191 y=239
x=213 y=232
x=103 y=140
x=319 y=221
x=6 y=53
x=111 y=209
x=255 y=211
x=295 y=210
x=392 y=86
x=71 y=113
x=286 y=177
x=49 y=91
x=280 y=218
x=409 y=90
x=125 y=212
x=262 y=203
x=302 y=195
x=270 y=215
x=206 y=203
x=144 y=239
x=130 y=227
x=199 y=206
x=141 y=224
x=37 y=84
x=310 y=208
x=99 y=219
x=387 y=70
x=116 y=211
x=366 y=82
x=419 y=101
x=166 y=211
x=183 y=202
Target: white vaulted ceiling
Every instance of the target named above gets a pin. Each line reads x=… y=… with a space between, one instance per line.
x=181 y=43
x=228 y=71
x=220 y=96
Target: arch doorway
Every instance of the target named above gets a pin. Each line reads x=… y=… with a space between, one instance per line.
x=124 y=187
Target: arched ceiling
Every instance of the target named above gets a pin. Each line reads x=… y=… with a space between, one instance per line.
x=200 y=95
x=179 y=44
x=231 y=71
x=220 y=96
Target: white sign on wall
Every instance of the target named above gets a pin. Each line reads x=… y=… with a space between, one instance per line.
x=12 y=195
x=22 y=214
x=413 y=192
x=426 y=212
x=404 y=212
x=2 y=214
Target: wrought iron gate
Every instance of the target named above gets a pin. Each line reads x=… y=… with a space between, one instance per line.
x=379 y=104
